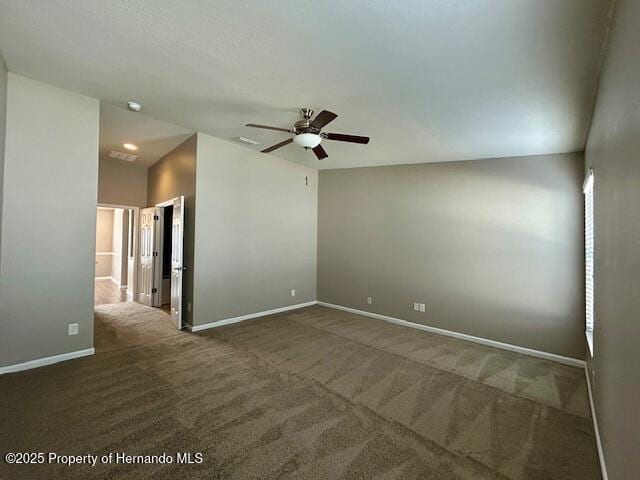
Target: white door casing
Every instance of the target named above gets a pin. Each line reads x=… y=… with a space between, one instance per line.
x=177 y=260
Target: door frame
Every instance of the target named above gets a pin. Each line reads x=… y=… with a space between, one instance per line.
x=136 y=243
x=166 y=203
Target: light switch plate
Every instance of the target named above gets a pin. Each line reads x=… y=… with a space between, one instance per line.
x=293 y=292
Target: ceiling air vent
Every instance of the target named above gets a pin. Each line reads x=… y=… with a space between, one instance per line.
x=246 y=140
x=122 y=156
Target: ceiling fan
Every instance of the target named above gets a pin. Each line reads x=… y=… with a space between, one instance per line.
x=307 y=133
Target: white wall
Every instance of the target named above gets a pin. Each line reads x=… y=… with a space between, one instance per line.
x=256 y=231
x=50 y=190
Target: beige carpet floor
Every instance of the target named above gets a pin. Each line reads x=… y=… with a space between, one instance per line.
x=314 y=393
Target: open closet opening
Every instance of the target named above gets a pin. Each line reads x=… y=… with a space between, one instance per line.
x=166 y=258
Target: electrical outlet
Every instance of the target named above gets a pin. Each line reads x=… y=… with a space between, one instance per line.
x=188 y=306
x=73 y=329
x=369 y=300
x=423 y=308
x=416 y=307
x=293 y=292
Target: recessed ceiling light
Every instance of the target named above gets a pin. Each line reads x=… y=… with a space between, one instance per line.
x=130 y=146
x=134 y=106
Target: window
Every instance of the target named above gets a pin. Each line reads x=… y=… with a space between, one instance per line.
x=587 y=188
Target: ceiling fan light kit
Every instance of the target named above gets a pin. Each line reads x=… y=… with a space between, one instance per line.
x=307 y=133
x=307 y=140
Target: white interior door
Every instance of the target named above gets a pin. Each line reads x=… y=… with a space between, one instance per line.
x=177 y=260
x=148 y=238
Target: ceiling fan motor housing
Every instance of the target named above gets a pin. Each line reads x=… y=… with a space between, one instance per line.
x=304 y=126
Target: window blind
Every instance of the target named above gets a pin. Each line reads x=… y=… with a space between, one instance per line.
x=588 y=251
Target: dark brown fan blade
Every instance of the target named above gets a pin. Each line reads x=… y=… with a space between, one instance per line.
x=320 y=153
x=324 y=117
x=341 y=137
x=267 y=127
x=277 y=145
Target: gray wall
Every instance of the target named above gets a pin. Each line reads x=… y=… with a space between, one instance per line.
x=122 y=183
x=613 y=150
x=50 y=187
x=492 y=247
x=255 y=232
x=171 y=176
x=3 y=116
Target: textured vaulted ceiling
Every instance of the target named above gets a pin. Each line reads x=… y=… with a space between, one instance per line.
x=154 y=138
x=428 y=80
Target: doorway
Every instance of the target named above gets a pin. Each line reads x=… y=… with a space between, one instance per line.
x=115 y=254
x=161 y=257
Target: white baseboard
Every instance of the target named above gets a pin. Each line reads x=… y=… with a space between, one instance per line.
x=103 y=278
x=596 y=431
x=229 y=321
x=41 y=362
x=574 y=362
